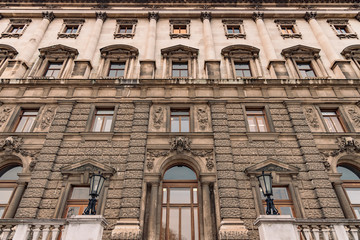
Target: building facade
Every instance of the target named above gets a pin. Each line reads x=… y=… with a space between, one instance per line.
x=180 y=105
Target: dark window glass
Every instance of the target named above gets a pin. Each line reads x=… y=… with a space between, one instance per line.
x=26 y=120
x=242 y=69
x=16 y=29
x=287 y=29
x=180 y=69
x=8 y=178
x=305 y=69
x=53 y=69
x=282 y=201
x=341 y=29
x=71 y=29
x=125 y=29
x=77 y=202
x=233 y=29
x=332 y=121
x=348 y=173
x=116 y=69
x=180 y=173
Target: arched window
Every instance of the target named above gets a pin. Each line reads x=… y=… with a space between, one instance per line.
x=351 y=184
x=8 y=178
x=180 y=205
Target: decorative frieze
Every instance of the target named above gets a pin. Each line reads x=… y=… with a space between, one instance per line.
x=202 y=117
x=348 y=145
x=14 y=144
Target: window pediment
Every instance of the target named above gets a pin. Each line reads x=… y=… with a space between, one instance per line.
x=58 y=51
x=352 y=51
x=300 y=52
x=271 y=165
x=240 y=51
x=88 y=166
x=180 y=50
x=119 y=51
x=7 y=51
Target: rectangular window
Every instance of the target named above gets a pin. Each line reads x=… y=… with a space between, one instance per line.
x=16 y=29
x=180 y=69
x=282 y=201
x=305 y=69
x=179 y=29
x=256 y=120
x=180 y=120
x=242 y=69
x=69 y=29
x=77 y=202
x=103 y=120
x=341 y=29
x=332 y=120
x=353 y=194
x=125 y=29
x=53 y=69
x=287 y=29
x=26 y=120
x=233 y=29
x=117 y=69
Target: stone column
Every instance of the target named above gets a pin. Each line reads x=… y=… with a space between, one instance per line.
x=153 y=210
x=212 y=65
x=147 y=66
x=344 y=202
x=277 y=67
x=206 y=211
x=25 y=57
x=338 y=65
x=128 y=226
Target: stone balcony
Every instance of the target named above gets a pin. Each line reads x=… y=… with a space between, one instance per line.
x=284 y=227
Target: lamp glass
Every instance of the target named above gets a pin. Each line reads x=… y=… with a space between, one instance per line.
x=96 y=184
x=266 y=183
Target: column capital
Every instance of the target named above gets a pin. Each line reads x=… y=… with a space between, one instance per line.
x=101 y=15
x=205 y=15
x=357 y=17
x=48 y=15
x=153 y=15
x=258 y=15
x=310 y=15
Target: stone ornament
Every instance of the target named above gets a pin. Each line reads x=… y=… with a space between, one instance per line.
x=101 y=15
x=205 y=15
x=180 y=144
x=153 y=15
x=48 y=15
x=348 y=145
x=257 y=15
x=354 y=115
x=158 y=116
x=310 y=15
x=311 y=117
x=13 y=144
x=4 y=114
x=202 y=116
x=47 y=118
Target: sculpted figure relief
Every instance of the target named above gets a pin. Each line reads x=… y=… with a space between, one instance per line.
x=48 y=116
x=158 y=117
x=311 y=117
x=4 y=114
x=202 y=118
x=355 y=116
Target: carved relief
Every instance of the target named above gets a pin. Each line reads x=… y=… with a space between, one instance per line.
x=158 y=116
x=311 y=117
x=4 y=114
x=354 y=115
x=180 y=144
x=202 y=118
x=346 y=144
x=14 y=144
x=47 y=117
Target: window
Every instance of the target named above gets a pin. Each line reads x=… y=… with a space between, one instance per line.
x=180 y=70
x=242 y=69
x=53 y=69
x=282 y=201
x=116 y=69
x=234 y=28
x=332 y=121
x=180 y=206
x=305 y=69
x=256 y=120
x=8 y=178
x=71 y=28
x=103 y=120
x=351 y=185
x=16 y=28
x=180 y=120
x=342 y=28
x=26 y=121
x=125 y=28
x=77 y=202
x=179 y=28
x=288 y=28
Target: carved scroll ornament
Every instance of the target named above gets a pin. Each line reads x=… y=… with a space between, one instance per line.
x=158 y=117
x=355 y=116
x=202 y=118
x=311 y=117
x=348 y=145
x=14 y=144
x=4 y=114
x=47 y=118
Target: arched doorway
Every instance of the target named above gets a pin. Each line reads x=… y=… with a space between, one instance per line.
x=180 y=204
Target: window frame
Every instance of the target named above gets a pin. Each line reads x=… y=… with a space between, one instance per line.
x=82 y=203
x=20 y=115
x=102 y=123
x=91 y=117
x=117 y=62
x=339 y=117
x=234 y=22
x=334 y=23
x=127 y=22
x=248 y=63
x=264 y=116
x=280 y=23
x=179 y=22
x=174 y=62
x=310 y=64
x=71 y=22
x=48 y=65
x=180 y=110
x=281 y=202
x=13 y=21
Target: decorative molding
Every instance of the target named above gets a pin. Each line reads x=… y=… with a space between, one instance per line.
x=71 y=22
x=357 y=17
x=257 y=15
x=346 y=144
x=47 y=117
x=175 y=22
x=14 y=144
x=232 y=229
x=342 y=22
x=153 y=15
x=158 y=116
x=310 y=15
x=311 y=117
x=101 y=15
x=90 y=166
x=202 y=117
x=205 y=15
x=354 y=115
x=4 y=114
x=237 y=22
x=48 y=15
x=271 y=165
x=180 y=144
x=122 y=22
x=15 y=22
x=288 y=22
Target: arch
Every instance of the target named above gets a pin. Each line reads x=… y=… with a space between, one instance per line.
x=300 y=51
x=7 y=51
x=240 y=50
x=180 y=50
x=162 y=165
x=343 y=158
x=58 y=49
x=352 y=172
x=119 y=49
x=351 y=51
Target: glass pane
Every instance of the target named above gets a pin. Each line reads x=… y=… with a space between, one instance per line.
x=286 y=211
x=176 y=73
x=111 y=112
x=185 y=125
x=328 y=113
x=29 y=124
x=195 y=195
x=73 y=211
x=261 y=124
x=180 y=195
x=236 y=30
x=183 y=73
x=112 y=73
x=329 y=124
x=179 y=113
x=185 y=223
x=180 y=173
x=80 y=193
x=357 y=212
x=163 y=224
x=310 y=73
x=21 y=124
x=196 y=226
x=10 y=174
x=174 y=224
x=280 y=193
x=354 y=195
x=108 y=122
x=260 y=112
x=175 y=124
x=337 y=124
x=252 y=124
x=247 y=73
x=164 y=195
x=304 y=66
x=5 y=194
x=2 y=209
x=98 y=123
x=348 y=173
x=30 y=113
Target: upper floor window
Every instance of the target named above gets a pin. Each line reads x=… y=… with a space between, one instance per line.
x=125 y=28
x=332 y=120
x=8 y=178
x=305 y=69
x=179 y=28
x=282 y=200
x=53 y=69
x=242 y=69
x=26 y=120
x=288 y=28
x=180 y=120
x=234 y=28
x=16 y=28
x=77 y=201
x=103 y=120
x=256 y=119
x=71 y=28
x=116 y=69
x=180 y=69
x=342 y=28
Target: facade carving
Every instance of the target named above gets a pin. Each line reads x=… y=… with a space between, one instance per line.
x=348 y=145
x=47 y=117
x=158 y=117
x=311 y=117
x=202 y=118
x=4 y=114
x=14 y=145
x=355 y=116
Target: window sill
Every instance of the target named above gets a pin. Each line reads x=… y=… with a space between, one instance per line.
x=11 y=35
x=347 y=35
x=68 y=35
x=239 y=35
x=262 y=136
x=97 y=136
x=294 y=35
x=124 y=35
x=185 y=35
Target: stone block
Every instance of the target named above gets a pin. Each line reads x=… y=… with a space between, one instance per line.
x=134 y=174
x=111 y=213
x=227 y=183
x=229 y=203
x=131 y=203
x=219 y=122
x=32 y=193
x=30 y=203
x=220 y=129
x=26 y=213
x=325 y=193
x=223 y=150
x=129 y=213
x=114 y=193
x=230 y=212
x=136 y=158
x=222 y=143
x=48 y=203
x=228 y=192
